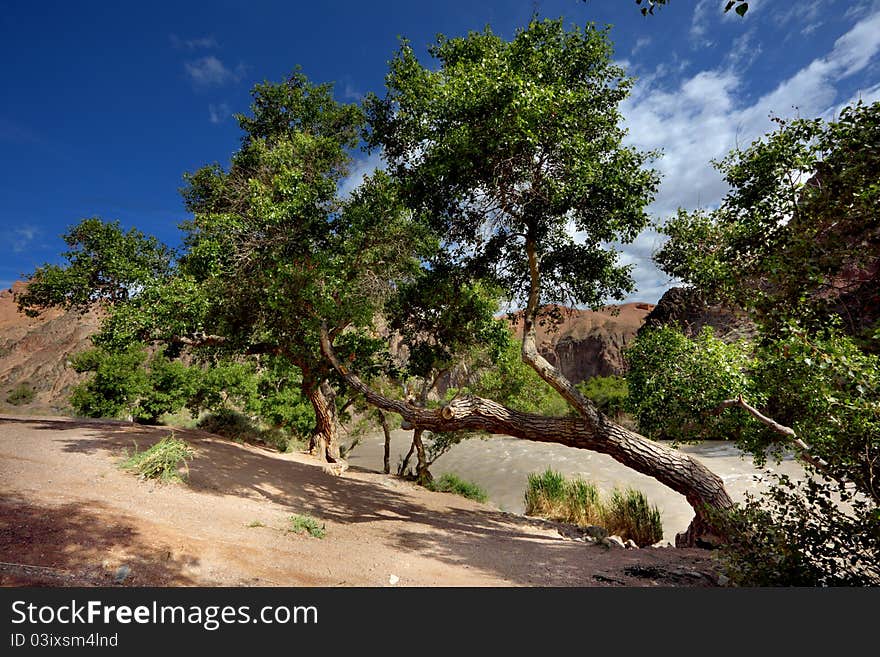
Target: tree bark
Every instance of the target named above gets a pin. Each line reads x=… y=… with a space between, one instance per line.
x=324 y=443
x=423 y=474
x=386 y=457
x=702 y=489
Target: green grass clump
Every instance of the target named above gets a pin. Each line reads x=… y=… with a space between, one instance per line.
x=308 y=524
x=450 y=483
x=21 y=395
x=550 y=495
x=627 y=514
x=162 y=461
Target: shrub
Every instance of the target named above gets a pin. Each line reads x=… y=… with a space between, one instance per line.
x=240 y=428
x=308 y=524
x=450 y=483
x=21 y=395
x=609 y=393
x=627 y=514
x=550 y=495
x=798 y=534
x=161 y=461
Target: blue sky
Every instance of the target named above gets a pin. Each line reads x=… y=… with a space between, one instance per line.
x=103 y=106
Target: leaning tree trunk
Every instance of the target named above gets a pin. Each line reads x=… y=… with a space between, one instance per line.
x=324 y=443
x=703 y=489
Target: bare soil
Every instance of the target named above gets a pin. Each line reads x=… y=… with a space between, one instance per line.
x=69 y=516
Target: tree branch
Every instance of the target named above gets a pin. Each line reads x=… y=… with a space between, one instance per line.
x=788 y=432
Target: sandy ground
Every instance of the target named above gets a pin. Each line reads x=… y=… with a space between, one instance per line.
x=70 y=516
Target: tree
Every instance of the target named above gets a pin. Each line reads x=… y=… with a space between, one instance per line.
x=505 y=149
x=796 y=242
x=274 y=251
x=104 y=266
x=797 y=235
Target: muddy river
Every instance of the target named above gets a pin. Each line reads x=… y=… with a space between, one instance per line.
x=501 y=465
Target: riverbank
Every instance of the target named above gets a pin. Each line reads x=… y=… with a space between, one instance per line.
x=70 y=516
x=501 y=465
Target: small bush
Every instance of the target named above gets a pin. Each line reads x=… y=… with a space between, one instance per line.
x=609 y=393
x=21 y=395
x=238 y=427
x=550 y=495
x=798 y=534
x=627 y=514
x=449 y=483
x=162 y=461
x=308 y=524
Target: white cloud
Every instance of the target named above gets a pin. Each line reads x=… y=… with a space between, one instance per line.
x=700 y=22
x=209 y=71
x=360 y=169
x=199 y=43
x=704 y=116
x=218 y=113
x=641 y=42
x=20 y=239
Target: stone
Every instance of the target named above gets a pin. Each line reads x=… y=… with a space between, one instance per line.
x=394 y=579
x=723 y=580
x=613 y=542
x=121 y=573
x=631 y=544
x=595 y=532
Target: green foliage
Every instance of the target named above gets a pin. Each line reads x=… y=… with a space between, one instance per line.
x=626 y=514
x=162 y=461
x=503 y=144
x=676 y=385
x=307 y=524
x=799 y=534
x=450 y=483
x=116 y=383
x=798 y=228
x=828 y=390
x=21 y=395
x=609 y=393
x=513 y=383
x=238 y=427
x=168 y=386
x=104 y=264
x=444 y=318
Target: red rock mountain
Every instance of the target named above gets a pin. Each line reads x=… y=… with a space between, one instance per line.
x=34 y=353
x=590 y=343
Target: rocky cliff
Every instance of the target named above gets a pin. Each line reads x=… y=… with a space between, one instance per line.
x=590 y=343
x=34 y=353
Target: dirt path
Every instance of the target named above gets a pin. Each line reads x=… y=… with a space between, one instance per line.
x=70 y=516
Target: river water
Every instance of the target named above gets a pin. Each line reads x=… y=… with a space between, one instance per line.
x=501 y=465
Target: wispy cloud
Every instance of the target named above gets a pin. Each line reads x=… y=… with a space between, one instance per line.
x=218 y=113
x=360 y=169
x=641 y=43
x=199 y=43
x=700 y=23
x=20 y=238
x=209 y=71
